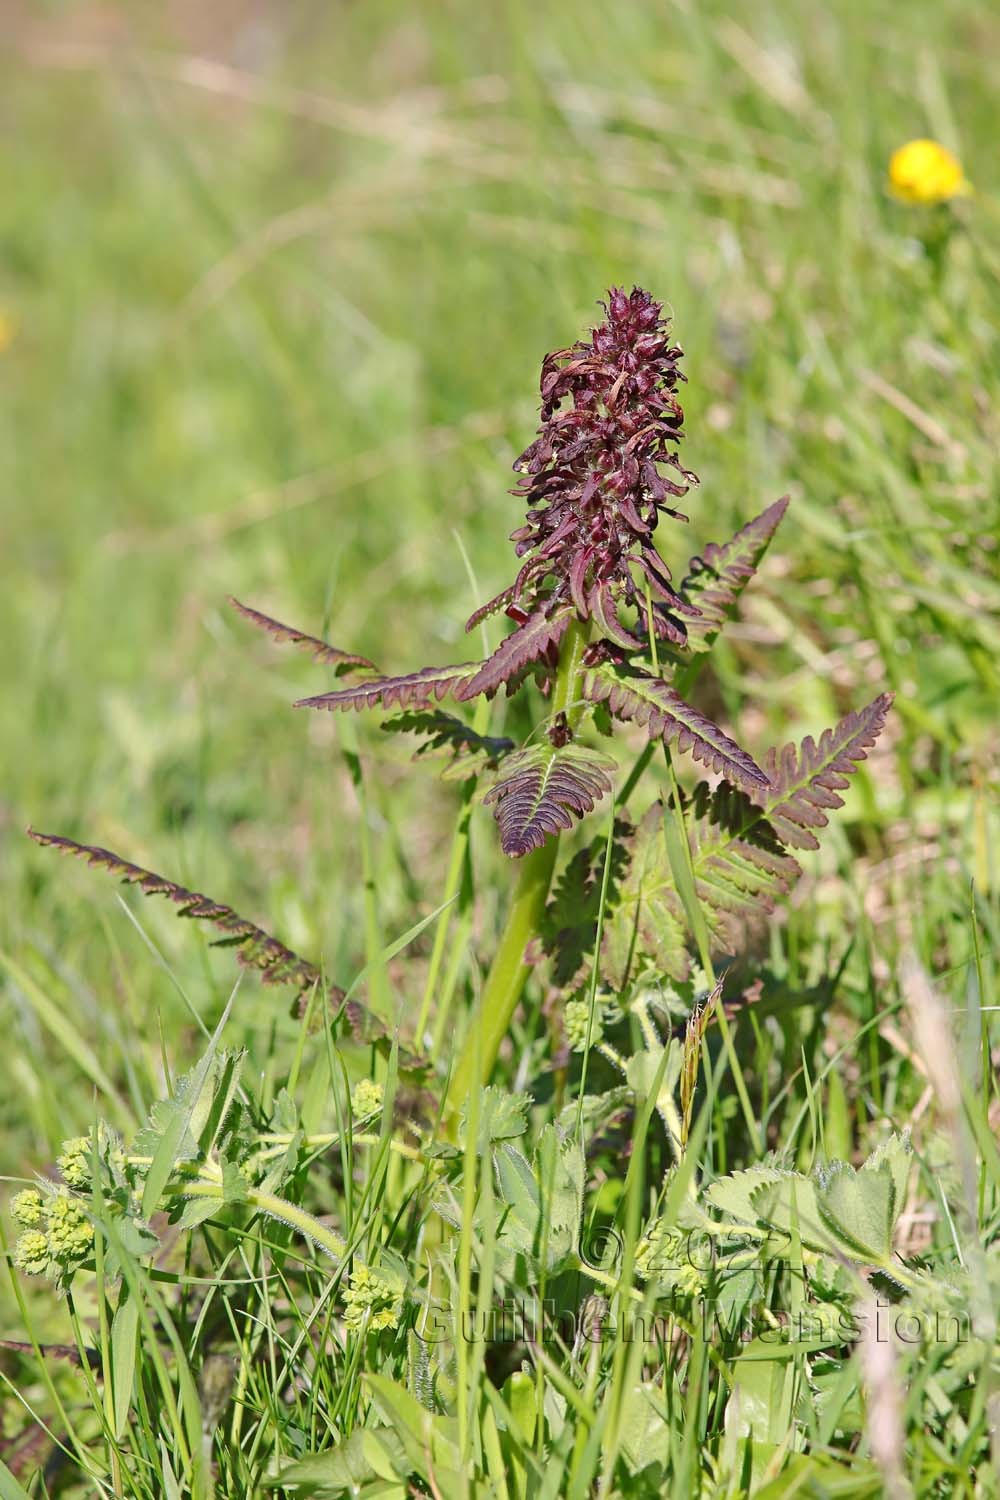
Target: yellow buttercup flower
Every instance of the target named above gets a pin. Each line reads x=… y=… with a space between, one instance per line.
x=926 y=172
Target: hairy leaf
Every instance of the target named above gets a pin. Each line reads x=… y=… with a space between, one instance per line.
x=652 y=703
x=542 y=789
x=806 y=779
x=536 y=638
x=716 y=579
x=343 y=661
x=469 y=752
x=415 y=690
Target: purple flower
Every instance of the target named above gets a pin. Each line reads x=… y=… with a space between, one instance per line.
x=594 y=478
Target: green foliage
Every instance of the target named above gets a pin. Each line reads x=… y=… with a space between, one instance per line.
x=288 y=353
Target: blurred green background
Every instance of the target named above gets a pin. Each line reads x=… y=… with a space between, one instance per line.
x=275 y=285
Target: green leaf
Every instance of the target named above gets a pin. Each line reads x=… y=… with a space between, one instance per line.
x=789 y=1206
x=761 y=1403
x=124 y=1345
x=502 y=1116
x=858 y=1208
x=369 y=1454
x=643 y=1068
x=560 y=1170
x=596 y=1110
x=9 y=1487
x=430 y=1441
x=176 y=1122
x=734 y=1195
x=221 y=1098
x=644 y=1432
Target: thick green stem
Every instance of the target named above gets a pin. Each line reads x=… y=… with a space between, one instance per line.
x=508 y=972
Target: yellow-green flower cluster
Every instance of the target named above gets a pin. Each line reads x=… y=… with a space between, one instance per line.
x=664 y=1255
x=576 y=1024
x=71 y=1233
x=366 y=1099
x=26 y=1207
x=31 y=1253
x=74 y=1161
x=67 y=1235
x=371 y=1301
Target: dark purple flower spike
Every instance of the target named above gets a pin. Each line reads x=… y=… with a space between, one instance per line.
x=595 y=483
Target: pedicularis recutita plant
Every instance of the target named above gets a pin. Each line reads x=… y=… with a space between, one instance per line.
x=604 y=633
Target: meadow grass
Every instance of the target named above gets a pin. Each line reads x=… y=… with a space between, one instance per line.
x=274 y=288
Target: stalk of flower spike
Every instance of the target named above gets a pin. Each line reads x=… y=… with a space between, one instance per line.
x=508 y=972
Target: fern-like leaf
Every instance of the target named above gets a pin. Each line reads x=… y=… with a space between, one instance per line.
x=542 y=789
x=491 y=607
x=257 y=949
x=538 y=637
x=806 y=779
x=645 y=920
x=716 y=579
x=739 y=853
x=652 y=703
x=570 y=919
x=469 y=752
x=275 y=963
x=326 y=655
x=415 y=690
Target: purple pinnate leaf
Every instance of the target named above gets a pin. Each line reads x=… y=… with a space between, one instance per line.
x=541 y=790
x=258 y=950
x=343 y=661
x=415 y=690
x=491 y=607
x=538 y=637
x=716 y=580
x=652 y=703
x=275 y=963
x=806 y=779
x=469 y=752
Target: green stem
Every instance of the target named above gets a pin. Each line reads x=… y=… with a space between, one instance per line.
x=505 y=981
x=275 y=1208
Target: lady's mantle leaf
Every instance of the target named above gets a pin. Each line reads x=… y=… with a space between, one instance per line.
x=542 y=789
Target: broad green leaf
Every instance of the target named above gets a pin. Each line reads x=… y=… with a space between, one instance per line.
x=9 y=1487
x=502 y=1116
x=643 y=1069
x=369 y=1454
x=733 y=1195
